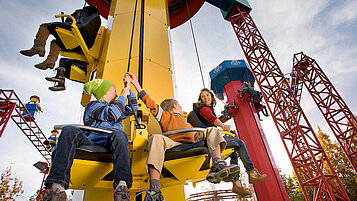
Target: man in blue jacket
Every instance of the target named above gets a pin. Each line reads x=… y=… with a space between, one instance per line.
x=107 y=112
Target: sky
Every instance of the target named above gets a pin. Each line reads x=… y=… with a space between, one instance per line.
x=323 y=29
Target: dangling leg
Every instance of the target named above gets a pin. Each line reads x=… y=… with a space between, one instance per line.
x=51 y=58
x=39 y=42
x=59 y=77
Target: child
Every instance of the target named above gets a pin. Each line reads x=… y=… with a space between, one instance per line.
x=170 y=116
x=205 y=112
x=107 y=112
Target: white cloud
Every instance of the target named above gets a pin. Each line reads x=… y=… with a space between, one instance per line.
x=344 y=13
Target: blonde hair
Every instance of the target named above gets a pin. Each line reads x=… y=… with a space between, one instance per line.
x=214 y=102
x=168 y=104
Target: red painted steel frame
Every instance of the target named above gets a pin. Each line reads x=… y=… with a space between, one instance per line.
x=6 y=109
x=335 y=111
x=29 y=128
x=301 y=143
x=251 y=132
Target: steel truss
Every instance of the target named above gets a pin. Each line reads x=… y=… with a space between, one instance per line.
x=30 y=128
x=335 y=111
x=301 y=143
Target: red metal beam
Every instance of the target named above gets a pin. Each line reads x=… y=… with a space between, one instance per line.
x=304 y=149
x=250 y=131
x=335 y=111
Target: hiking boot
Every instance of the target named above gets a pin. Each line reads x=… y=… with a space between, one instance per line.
x=59 y=77
x=54 y=195
x=39 y=42
x=255 y=176
x=122 y=194
x=51 y=58
x=220 y=171
x=239 y=189
x=58 y=87
x=152 y=195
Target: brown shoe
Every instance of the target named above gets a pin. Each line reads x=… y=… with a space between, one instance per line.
x=239 y=189
x=38 y=48
x=54 y=195
x=255 y=176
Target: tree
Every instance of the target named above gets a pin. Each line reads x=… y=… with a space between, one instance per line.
x=340 y=164
x=10 y=187
x=292 y=186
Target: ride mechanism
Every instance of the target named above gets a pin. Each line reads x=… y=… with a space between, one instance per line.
x=146 y=41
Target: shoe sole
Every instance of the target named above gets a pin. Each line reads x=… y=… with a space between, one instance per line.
x=51 y=79
x=229 y=174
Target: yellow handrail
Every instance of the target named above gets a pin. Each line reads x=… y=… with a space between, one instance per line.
x=227 y=133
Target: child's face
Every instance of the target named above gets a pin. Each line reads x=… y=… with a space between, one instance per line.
x=206 y=98
x=111 y=94
x=177 y=109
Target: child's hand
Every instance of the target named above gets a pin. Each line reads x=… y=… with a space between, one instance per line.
x=134 y=81
x=131 y=76
x=226 y=127
x=127 y=78
x=125 y=91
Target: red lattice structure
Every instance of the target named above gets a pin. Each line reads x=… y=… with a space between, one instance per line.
x=30 y=128
x=335 y=111
x=300 y=141
x=214 y=195
x=6 y=109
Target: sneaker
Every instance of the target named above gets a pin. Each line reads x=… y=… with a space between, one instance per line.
x=122 y=194
x=220 y=171
x=153 y=196
x=54 y=195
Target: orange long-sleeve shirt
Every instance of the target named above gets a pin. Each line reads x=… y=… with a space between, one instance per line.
x=168 y=121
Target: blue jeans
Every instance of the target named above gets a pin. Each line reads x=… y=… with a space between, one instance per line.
x=71 y=138
x=242 y=153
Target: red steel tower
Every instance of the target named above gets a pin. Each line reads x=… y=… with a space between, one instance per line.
x=301 y=143
x=335 y=111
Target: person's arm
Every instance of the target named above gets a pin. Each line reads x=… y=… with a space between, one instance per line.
x=155 y=109
x=102 y=111
x=207 y=114
x=128 y=110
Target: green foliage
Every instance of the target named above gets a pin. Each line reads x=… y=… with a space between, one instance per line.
x=10 y=187
x=292 y=187
x=340 y=164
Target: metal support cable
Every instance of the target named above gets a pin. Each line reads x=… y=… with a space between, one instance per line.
x=141 y=44
x=132 y=36
x=194 y=42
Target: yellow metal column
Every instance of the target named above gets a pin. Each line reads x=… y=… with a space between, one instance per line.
x=157 y=74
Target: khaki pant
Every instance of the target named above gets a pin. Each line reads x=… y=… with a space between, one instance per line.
x=158 y=144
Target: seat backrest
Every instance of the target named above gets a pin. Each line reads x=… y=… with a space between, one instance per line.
x=88 y=29
x=193 y=119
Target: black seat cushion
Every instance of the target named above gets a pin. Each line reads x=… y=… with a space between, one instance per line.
x=193 y=119
x=93 y=153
